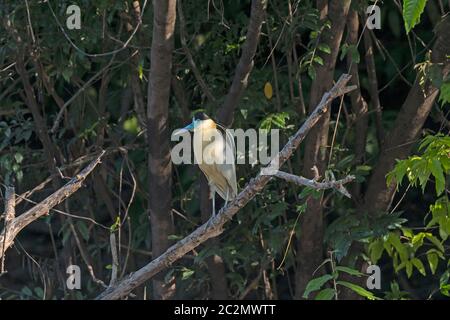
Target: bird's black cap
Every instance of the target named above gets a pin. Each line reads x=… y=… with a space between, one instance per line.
x=201 y=116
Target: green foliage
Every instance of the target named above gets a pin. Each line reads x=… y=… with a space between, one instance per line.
x=395 y=293
x=333 y=280
x=316 y=284
x=425 y=250
x=275 y=121
x=358 y=289
x=444 y=96
x=412 y=10
x=433 y=162
x=352 y=50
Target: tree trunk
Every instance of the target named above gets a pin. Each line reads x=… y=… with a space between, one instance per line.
x=397 y=145
x=407 y=127
x=159 y=163
x=310 y=242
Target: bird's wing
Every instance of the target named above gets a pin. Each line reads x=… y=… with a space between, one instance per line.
x=229 y=167
x=219 y=166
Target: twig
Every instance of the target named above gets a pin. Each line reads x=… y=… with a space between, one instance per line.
x=214 y=226
x=96 y=55
x=85 y=254
x=74 y=96
x=189 y=57
x=17 y=224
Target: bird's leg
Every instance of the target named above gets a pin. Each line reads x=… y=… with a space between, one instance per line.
x=213 y=194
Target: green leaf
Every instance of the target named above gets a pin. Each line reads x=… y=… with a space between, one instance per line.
x=325 y=294
x=174 y=237
x=438 y=173
x=444 y=97
x=359 y=290
x=39 y=292
x=412 y=10
x=311 y=72
x=396 y=243
x=318 y=60
x=419 y=265
x=27 y=291
x=187 y=273
x=316 y=284
x=18 y=157
x=435 y=241
x=324 y=48
x=409 y=268
x=350 y=271
x=376 y=249
x=433 y=260
x=83 y=229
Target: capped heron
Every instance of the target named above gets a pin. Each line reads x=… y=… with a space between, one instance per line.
x=214 y=153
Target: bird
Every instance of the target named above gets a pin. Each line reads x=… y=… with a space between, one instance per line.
x=214 y=152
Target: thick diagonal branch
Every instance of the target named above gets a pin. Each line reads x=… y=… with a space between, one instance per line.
x=214 y=226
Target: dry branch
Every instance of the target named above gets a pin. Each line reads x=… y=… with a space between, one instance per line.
x=17 y=224
x=337 y=185
x=214 y=226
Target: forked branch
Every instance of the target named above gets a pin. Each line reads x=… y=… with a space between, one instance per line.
x=14 y=226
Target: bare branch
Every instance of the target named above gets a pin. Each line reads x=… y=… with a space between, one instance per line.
x=214 y=226
x=17 y=224
x=337 y=185
x=115 y=260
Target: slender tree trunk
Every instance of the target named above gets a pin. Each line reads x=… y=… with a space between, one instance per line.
x=160 y=166
x=310 y=242
x=359 y=105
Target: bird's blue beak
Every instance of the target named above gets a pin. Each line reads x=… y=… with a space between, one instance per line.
x=188 y=128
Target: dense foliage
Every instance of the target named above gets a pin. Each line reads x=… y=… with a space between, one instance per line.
x=90 y=88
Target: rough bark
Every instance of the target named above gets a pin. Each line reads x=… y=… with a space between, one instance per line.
x=159 y=164
x=309 y=244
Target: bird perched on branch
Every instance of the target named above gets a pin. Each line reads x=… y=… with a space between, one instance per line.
x=214 y=152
